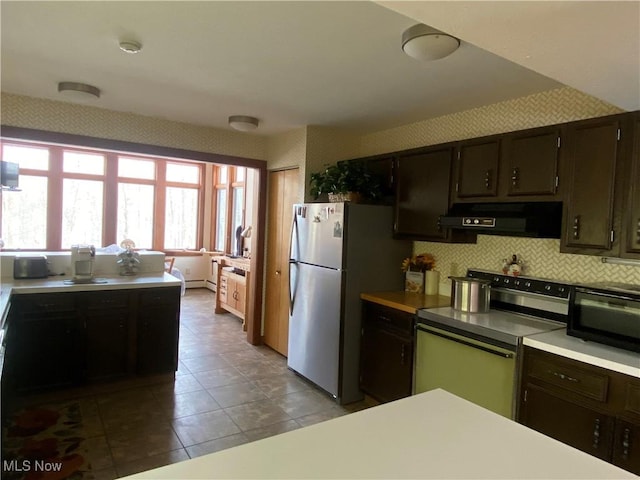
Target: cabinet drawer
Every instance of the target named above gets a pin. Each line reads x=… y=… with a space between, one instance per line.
x=389 y=318
x=160 y=296
x=45 y=303
x=106 y=300
x=632 y=398
x=570 y=377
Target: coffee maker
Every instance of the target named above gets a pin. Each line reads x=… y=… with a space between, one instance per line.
x=82 y=258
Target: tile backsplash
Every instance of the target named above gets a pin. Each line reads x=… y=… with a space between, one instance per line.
x=541 y=257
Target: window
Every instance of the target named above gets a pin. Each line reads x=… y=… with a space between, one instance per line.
x=72 y=195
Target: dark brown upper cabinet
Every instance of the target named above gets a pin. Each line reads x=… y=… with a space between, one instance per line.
x=422 y=182
x=593 y=155
x=477 y=169
x=631 y=216
x=530 y=163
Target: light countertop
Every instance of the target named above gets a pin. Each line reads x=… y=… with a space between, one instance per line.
x=597 y=354
x=406 y=301
x=9 y=286
x=431 y=435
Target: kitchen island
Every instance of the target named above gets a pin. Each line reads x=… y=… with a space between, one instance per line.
x=431 y=435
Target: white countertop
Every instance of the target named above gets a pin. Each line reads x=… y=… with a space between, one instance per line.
x=430 y=435
x=593 y=353
x=9 y=286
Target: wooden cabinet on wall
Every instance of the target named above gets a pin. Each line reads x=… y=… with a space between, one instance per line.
x=513 y=167
x=530 y=164
x=422 y=195
x=631 y=216
x=232 y=291
x=590 y=408
x=594 y=157
x=386 y=352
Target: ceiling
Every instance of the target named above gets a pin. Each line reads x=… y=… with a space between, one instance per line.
x=292 y=64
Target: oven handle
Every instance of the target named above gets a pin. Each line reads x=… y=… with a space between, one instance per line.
x=618 y=296
x=469 y=344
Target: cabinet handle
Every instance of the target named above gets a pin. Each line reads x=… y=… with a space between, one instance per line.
x=596 y=433
x=626 y=443
x=515 y=176
x=638 y=231
x=576 y=227
x=278 y=272
x=487 y=179
x=564 y=377
x=402 y=354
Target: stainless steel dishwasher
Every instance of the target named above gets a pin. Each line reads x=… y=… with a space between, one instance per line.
x=475 y=355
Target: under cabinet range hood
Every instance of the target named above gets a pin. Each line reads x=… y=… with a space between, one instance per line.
x=517 y=219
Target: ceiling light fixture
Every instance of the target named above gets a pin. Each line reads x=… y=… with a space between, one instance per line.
x=426 y=43
x=130 y=46
x=243 y=123
x=78 y=90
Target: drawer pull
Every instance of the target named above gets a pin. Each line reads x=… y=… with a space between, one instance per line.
x=596 y=433
x=564 y=377
x=487 y=179
x=515 y=176
x=402 y=355
x=626 y=443
x=576 y=227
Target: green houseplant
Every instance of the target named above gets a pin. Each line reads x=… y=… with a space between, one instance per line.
x=346 y=177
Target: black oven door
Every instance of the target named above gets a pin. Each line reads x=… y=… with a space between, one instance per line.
x=605 y=316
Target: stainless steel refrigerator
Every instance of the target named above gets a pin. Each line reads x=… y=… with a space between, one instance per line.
x=338 y=250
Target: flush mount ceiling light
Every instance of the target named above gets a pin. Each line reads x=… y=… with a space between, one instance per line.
x=78 y=90
x=426 y=43
x=130 y=46
x=243 y=123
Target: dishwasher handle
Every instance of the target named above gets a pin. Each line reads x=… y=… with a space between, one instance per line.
x=463 y=342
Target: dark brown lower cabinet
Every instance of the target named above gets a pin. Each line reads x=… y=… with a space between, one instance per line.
x=590 y=408
x=63 y=339
x=386 y=352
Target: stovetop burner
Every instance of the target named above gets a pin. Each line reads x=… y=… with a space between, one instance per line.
x=520 y=306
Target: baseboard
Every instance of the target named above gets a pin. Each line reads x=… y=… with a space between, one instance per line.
x=194 y=283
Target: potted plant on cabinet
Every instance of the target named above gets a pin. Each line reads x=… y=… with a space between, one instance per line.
x=345 y=181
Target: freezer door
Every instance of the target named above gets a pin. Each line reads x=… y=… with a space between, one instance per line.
x=314 y=325
x=318 y=233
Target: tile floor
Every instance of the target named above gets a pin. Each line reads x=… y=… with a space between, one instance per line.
x=225 y=393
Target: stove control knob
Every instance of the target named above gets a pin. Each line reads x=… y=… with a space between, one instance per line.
x=496 y=279
x=527 y=284
x=517 y=283
x=547 y=288
x=506 y=280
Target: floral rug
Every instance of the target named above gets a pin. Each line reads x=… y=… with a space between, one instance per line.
x=45 y=443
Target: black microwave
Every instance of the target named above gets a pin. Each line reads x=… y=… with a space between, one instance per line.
x=607 y=313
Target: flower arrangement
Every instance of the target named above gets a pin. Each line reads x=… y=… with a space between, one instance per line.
x=129 y=262
x=419 y=263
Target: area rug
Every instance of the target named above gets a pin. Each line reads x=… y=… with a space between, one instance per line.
x=45 y=443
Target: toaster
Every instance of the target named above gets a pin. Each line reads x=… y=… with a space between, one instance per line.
x=30 y=267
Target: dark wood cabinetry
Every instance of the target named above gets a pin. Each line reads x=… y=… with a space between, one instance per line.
x=422 y=194
x=64 y=339
x=592 y=156
x=477 y=166
x=386 y=352
x=43 y=341
x=530 y=160
x=631 y=216
x=158 y=327
x=590 y=408
x=107 y=333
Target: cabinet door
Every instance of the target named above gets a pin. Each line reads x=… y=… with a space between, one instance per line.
x=592 y=158
x=43 y=348
x=631 y=218
x=158 y=326
x=386 y=360
x=570 y=423
x=107 y=334
x=477 y=169
x=422 y=194
x=626 y=446
x=531 y=161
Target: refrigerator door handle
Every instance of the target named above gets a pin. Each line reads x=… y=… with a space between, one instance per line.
x=294 y=234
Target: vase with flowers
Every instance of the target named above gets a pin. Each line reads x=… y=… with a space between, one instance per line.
x=420 y=274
